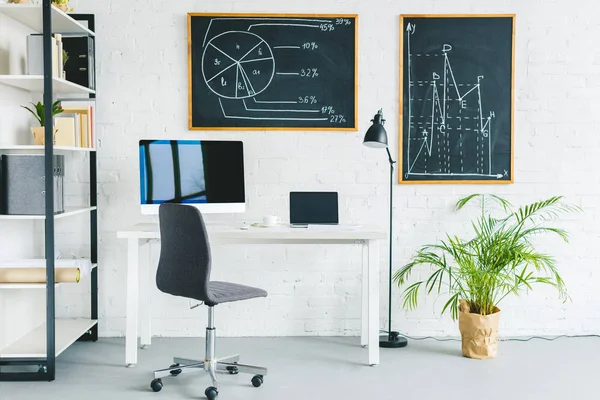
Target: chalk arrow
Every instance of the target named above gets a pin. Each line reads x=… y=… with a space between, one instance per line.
x=498 y=176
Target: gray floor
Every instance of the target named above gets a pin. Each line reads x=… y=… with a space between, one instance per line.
x=329 y=368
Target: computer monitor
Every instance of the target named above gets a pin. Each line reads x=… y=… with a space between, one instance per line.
x=208 y=174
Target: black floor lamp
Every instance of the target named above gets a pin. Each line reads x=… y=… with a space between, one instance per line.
x=376 y=137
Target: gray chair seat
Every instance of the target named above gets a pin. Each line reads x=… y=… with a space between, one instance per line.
x=224 y=292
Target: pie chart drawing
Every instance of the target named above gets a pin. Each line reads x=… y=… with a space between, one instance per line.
x=237 y=65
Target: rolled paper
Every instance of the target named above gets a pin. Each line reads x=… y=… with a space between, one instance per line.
x=38 y=275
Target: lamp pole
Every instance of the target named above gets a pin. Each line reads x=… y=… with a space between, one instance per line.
x=391 y=337
x=376 y=137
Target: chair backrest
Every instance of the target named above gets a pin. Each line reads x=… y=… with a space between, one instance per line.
x=184 y=263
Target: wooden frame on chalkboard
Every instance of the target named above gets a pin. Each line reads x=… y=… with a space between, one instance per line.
x=354 y=120
x=401 y=173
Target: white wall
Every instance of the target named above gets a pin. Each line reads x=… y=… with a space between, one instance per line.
x=142 y=81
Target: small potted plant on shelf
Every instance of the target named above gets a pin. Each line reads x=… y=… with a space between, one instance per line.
x=38 y=131
x=19 y=1
x=63 y=5
x=499 y=260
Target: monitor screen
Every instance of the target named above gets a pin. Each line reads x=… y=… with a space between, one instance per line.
x=208 y=174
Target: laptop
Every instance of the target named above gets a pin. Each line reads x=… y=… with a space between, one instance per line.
x=313 y=208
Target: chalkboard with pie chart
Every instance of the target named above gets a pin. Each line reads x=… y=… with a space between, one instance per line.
x=265 y=71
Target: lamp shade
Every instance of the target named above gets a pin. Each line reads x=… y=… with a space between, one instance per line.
x=376 y=136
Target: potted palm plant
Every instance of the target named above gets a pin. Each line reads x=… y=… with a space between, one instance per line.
x=478 y=273
x=38 y=113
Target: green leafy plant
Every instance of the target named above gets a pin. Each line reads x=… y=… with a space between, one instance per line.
x=63 y=5
x=65 y=57
x=498 y=261
x=39 y=110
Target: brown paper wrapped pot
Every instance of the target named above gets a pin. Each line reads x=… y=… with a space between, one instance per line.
x=479 y=332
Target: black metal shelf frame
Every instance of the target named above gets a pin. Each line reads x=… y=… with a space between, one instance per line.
x=47 y=365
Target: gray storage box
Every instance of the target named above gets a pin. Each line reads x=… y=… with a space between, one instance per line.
x=23 y=184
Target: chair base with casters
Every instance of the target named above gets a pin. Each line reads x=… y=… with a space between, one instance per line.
x=210 y=364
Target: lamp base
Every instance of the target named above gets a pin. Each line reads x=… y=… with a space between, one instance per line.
x=392 y=341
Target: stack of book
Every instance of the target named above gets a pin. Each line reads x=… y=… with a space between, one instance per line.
x=75 y=126
x=72 y=54
x=35 y=56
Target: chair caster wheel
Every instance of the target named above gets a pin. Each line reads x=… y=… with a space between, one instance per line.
x=232 y=370
x=257 y=380
x=175 y=372
x=156 y=385
x=211 y=393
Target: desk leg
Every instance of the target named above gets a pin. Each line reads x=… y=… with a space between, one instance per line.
x=364 y=312
x=146 y=304
x=133 y=284
x=373 y=299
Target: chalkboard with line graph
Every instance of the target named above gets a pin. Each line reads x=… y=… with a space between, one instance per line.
x=456 y=98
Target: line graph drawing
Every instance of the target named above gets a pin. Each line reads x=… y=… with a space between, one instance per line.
x=450 y=126
x=272 y=69
x=435 y=139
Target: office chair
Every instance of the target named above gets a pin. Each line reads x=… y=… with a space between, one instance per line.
x=184 y=270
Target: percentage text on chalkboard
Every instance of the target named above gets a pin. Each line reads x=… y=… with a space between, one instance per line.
x=327 y=27
x=307 y=100
x=309 y=72
x=310 y=46
x=343 y=21
x=327 y=110
x=337 y=119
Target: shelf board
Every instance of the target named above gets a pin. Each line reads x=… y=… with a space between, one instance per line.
x=35 y=83
x=69 y=211
x=40 y=148
x=33 y=344
x=30 y=15
x=17 y=286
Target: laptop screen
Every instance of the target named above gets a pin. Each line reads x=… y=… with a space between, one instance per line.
x=313 y=208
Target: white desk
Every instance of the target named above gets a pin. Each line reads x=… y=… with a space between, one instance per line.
x=369 y=238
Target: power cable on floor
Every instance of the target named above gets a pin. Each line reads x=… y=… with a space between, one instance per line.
x=549 y=339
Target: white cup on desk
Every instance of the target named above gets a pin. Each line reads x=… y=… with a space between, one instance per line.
x=270 y=220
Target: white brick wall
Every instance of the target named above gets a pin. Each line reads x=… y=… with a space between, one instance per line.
x=142 y=79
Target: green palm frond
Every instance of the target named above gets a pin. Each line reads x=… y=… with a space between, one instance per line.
x=39 y=113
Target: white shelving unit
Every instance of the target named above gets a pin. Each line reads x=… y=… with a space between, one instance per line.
x=22 y=286
x=35 y=348
x=30 y=15
x=40 y=149
x=35 y=83
x=33 y=345
x=69 y=212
